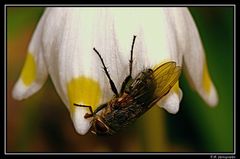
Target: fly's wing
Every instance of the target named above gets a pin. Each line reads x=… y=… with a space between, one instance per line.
x=165 y=76
x=151 y=85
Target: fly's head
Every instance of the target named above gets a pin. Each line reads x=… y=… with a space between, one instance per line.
x=100 y=127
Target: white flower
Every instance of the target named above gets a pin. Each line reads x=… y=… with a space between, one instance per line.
x=62 y=47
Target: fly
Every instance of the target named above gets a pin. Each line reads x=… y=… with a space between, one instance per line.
x=137 y=96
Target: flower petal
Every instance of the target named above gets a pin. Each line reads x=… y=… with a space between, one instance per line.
x=195 y=62
x=189 y=46
x=74 y=67
x=34 y=72
x=83 y=91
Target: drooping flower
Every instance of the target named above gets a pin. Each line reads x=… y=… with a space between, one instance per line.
x=62 y=47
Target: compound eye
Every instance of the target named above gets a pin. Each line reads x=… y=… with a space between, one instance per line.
x=101 y=127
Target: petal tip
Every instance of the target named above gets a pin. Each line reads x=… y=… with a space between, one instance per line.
x=212 y=100
x=18 y=91
x=171 y=103
x=81 y=124
x=21 y=91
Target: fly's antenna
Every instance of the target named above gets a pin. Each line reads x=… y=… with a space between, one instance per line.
x=131 y=58
x=113 y=87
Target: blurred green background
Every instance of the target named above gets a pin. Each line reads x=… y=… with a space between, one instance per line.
x=42 y=123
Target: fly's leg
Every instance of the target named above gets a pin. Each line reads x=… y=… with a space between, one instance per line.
x=100 y=108
x=131 y=58
x=113 y=87
x=87 y=115
x=128 y=79
x=126 y=83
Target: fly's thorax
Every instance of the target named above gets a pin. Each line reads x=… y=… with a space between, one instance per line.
x=123 y=97
x=120 y=102
x=113 y=104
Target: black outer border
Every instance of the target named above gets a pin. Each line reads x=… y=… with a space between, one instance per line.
x=219 y=155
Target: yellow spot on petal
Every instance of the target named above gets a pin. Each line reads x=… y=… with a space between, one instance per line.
x=206 y=80
x=28 y=73
x=83 y=90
